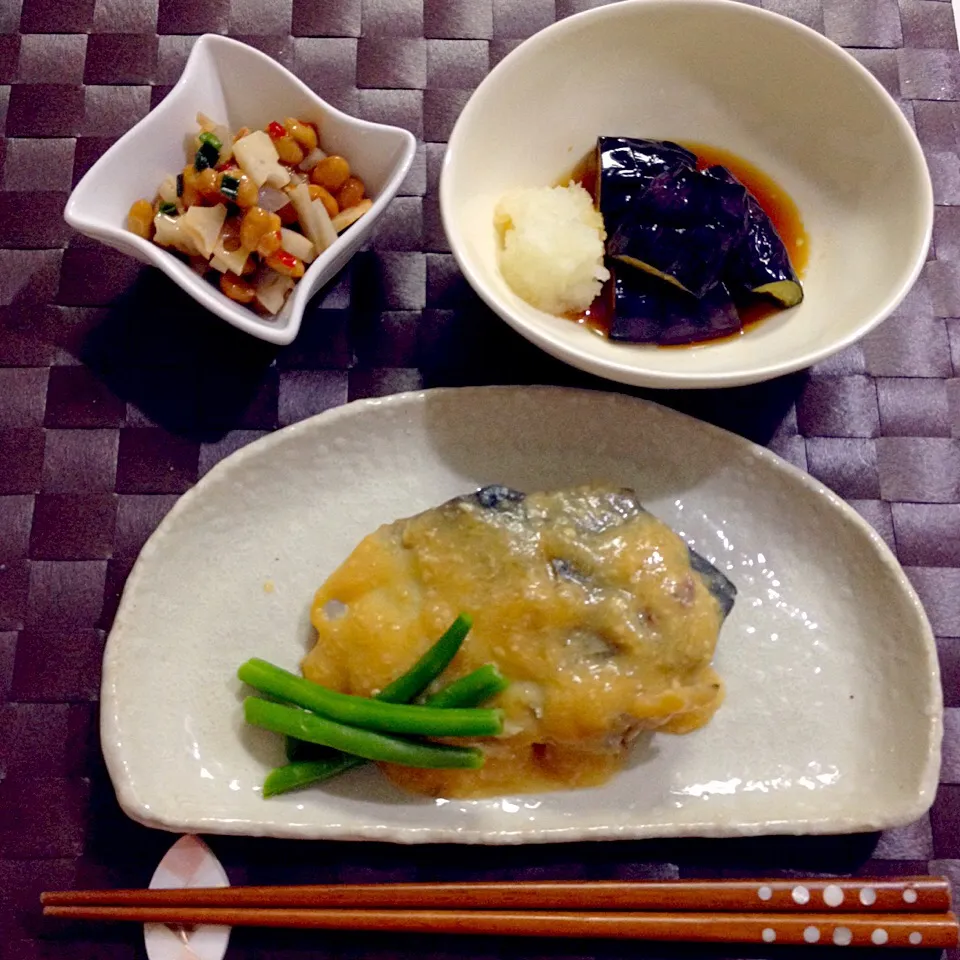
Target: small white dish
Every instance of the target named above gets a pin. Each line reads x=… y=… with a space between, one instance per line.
x=719 y=73
x=832 y=720
x=237 y=85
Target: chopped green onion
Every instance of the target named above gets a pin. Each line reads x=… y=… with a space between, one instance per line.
x=179 y=184
x=168 y=209
x=207 y=156
x=229 y=186
x=212 y=139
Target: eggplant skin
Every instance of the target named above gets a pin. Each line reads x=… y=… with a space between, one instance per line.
x=626 y=166
x=682 y=229
x=716 y=316
x=647 y=310
x=683 y=244
x=760 y=264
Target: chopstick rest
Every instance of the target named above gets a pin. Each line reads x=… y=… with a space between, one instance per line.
x=188 y=863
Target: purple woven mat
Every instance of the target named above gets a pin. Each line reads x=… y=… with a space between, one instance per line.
x=117 y=393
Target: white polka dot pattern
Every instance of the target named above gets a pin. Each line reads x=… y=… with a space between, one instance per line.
x=832 y=895
x=842 y=936
x=879 y=936
x=800 y=894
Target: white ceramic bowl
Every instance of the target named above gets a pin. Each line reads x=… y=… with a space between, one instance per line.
x=239 y=86
x=720 y=73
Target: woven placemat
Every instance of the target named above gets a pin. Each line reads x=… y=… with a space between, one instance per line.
x=117 y=393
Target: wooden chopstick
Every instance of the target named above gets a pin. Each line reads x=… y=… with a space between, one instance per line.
x=901 y=912
x=876 y=895
x=935 y=931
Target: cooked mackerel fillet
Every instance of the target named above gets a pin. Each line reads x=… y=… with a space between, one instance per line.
x=600 y=616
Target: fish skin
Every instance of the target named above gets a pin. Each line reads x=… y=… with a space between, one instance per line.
x=500 y=497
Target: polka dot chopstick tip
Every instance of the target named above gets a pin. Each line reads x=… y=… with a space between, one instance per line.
x=885 y=895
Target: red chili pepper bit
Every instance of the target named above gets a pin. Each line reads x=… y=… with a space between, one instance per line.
x=287 y=259
x=276 y=130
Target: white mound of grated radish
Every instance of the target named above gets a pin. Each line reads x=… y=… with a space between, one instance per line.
x=552 y=247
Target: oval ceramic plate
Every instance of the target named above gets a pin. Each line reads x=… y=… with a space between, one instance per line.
x=832 y=720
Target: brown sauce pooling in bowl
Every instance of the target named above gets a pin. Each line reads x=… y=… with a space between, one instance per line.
x=774 y=200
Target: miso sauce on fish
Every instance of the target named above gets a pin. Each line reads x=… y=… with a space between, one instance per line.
x=598 y=613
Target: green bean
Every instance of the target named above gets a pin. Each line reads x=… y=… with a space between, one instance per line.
x=307 y=767
x=472 y=690
x=411 y=684
x=295 y=749
x=302 y=773
x=362 y=743
x=408 y=686
x=368 y=713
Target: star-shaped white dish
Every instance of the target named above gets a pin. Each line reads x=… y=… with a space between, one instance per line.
x=237 y=85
